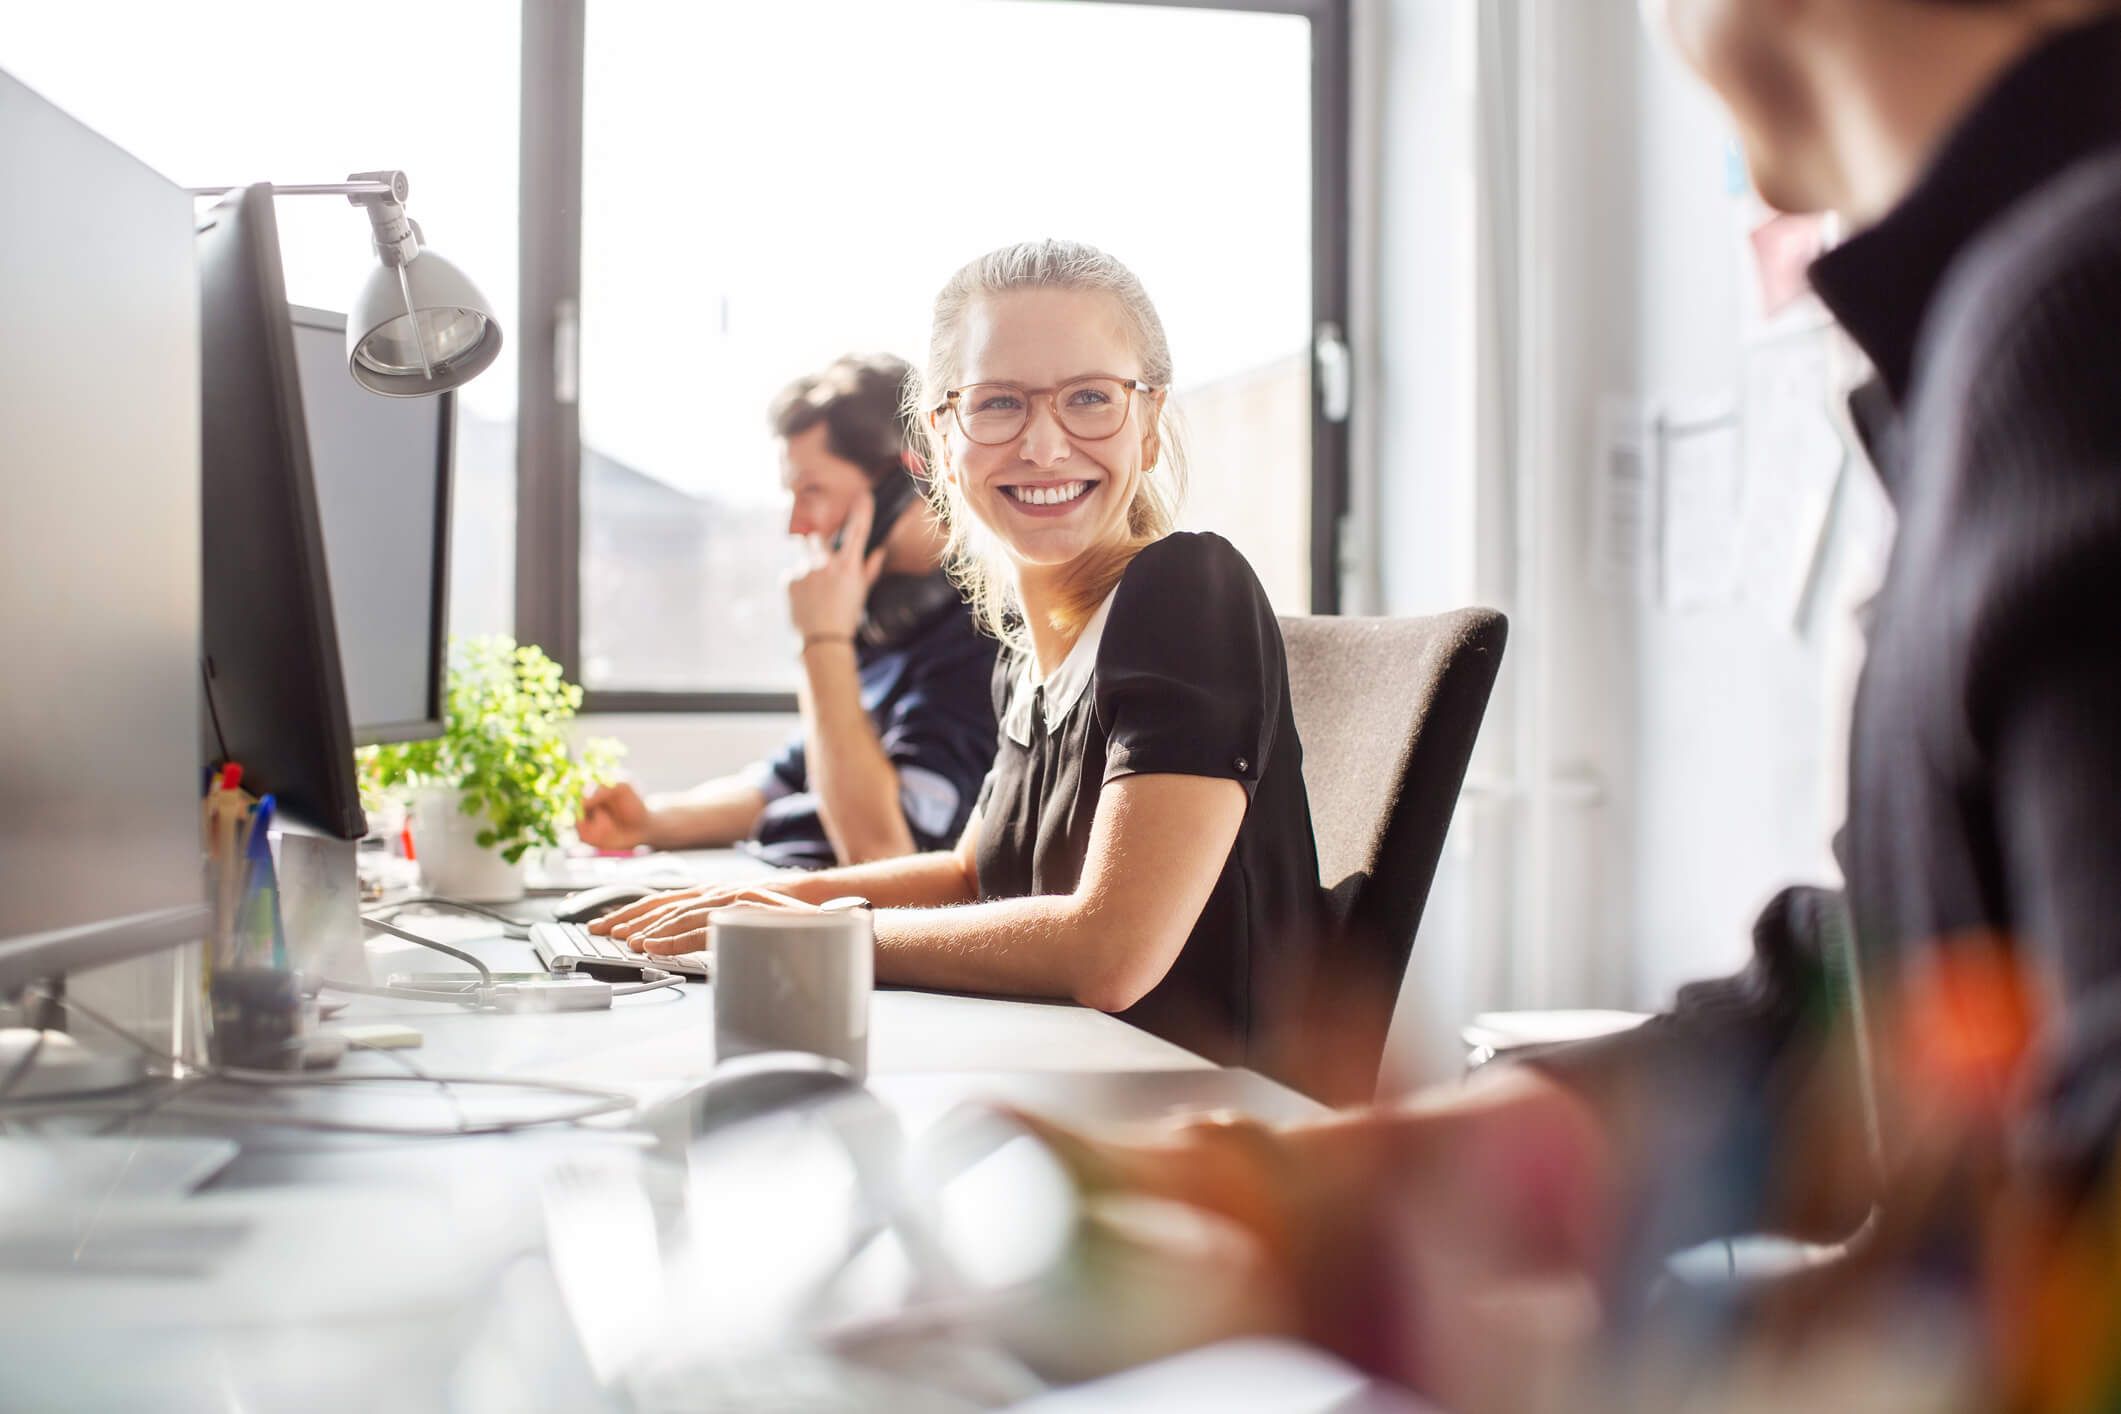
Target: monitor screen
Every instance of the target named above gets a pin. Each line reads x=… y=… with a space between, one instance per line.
x=99 y=553
x=275 y=692
x=382 y=468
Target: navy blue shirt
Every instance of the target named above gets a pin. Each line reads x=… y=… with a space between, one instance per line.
x=927 y=693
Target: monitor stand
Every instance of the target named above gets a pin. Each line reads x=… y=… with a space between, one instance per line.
x=63 y=1066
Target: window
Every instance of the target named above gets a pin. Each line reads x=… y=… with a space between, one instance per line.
x=187 y=92
x=765 y=187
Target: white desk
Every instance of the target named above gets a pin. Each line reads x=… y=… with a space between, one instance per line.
x=366 y=1273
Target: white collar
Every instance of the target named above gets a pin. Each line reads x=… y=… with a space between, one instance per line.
x=1064 y=686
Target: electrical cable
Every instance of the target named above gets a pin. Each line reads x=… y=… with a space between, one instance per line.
x=239 y=1114
x=409 y=994
x=600 y=1102
x=615 y=1103
x=206 y=678
x=485 y=972
x=413 y=1068
x=392 y=909
x=170 y=1091
x=653 y=979
x=486 y=995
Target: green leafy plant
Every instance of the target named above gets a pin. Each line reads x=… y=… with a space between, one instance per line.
x=504 y=745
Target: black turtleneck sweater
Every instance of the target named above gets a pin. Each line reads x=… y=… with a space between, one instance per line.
x=1984 y=809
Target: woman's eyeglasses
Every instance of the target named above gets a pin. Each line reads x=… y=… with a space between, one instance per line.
x=1089 y=409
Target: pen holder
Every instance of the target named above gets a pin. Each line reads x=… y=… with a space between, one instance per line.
x=255 y=1017
x=248 y=928
x=258 y=1019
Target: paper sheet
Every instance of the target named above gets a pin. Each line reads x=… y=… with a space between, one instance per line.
x=1624 y=502
x=1793 y=461
x=1703 y=484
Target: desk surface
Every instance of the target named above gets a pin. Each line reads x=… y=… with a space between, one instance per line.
x=363 y=1273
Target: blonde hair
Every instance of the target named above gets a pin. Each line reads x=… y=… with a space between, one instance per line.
x=972 y=559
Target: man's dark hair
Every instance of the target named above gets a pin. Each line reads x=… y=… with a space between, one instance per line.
x=859 y=399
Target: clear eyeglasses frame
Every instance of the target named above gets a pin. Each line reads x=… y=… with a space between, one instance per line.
x=990 y=414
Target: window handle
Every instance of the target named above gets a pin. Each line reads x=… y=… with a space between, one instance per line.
x=1336 y=372
x=566 y=352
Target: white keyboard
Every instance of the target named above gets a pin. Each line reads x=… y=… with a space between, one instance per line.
x=566 y=947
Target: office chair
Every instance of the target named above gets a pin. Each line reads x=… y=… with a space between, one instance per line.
x=1388 y=710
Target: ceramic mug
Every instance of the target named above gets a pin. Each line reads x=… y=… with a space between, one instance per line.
x=790 y=979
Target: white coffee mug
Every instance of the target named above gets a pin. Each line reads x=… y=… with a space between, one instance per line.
x=792 y=980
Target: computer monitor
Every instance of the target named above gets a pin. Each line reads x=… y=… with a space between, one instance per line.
x=276 y=697
x=382 y=469
x=99 y=552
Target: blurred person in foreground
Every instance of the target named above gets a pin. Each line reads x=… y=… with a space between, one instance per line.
x=1927 y=1065
x=897 y=727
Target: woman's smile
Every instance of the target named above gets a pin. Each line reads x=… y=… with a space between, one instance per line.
x=1046 y=500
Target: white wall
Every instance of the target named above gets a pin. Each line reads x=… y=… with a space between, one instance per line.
x=1504 y=311
x=1415 y=417
x=1742 y=719
x=1554 y=229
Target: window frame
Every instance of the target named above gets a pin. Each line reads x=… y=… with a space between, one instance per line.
x=548 y=609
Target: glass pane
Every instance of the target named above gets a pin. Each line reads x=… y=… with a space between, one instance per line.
x=261 y=90
x=765 y=189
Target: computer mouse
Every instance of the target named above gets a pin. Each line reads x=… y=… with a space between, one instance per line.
x=769 y=1082
x=604 y=898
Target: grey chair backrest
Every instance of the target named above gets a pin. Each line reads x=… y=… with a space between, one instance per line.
x=1388 y=710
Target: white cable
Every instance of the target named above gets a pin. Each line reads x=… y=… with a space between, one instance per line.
x=243 y=1114
x=485 y=972
x=653 y=979
x=491 y=997
x=601 y=1102
x=409 y=994
x=391 y=910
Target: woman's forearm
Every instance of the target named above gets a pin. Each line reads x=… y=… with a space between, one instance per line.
x=1039 y=946
x=934 y=880
x=1156 y=849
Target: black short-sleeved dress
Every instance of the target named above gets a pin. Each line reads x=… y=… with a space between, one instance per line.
x=1181 y=672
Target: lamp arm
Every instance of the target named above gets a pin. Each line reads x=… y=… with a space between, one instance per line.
x=382 y=193
x=353 y=191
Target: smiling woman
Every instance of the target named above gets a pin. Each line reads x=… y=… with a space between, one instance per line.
x=1143 y=843
x=1082 y=335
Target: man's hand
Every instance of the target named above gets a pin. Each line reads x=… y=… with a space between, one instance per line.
x=1450 y=1242
x=614 y=817
x=825 y=598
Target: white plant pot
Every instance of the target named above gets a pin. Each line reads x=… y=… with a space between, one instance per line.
x=453 y=864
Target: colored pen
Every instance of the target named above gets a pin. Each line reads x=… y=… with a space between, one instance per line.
x=259 y=885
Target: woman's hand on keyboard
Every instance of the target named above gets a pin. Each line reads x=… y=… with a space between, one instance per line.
x=676 y=922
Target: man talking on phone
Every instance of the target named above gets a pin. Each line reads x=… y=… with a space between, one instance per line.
x=898 y=716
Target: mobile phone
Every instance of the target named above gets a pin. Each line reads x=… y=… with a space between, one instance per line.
x=895 y=491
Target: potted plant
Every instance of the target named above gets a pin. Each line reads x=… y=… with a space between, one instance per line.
x=502 y=778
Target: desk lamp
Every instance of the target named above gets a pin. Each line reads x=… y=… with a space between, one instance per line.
x=418 y=325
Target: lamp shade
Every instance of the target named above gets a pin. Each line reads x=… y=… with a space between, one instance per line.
x=419 y=328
